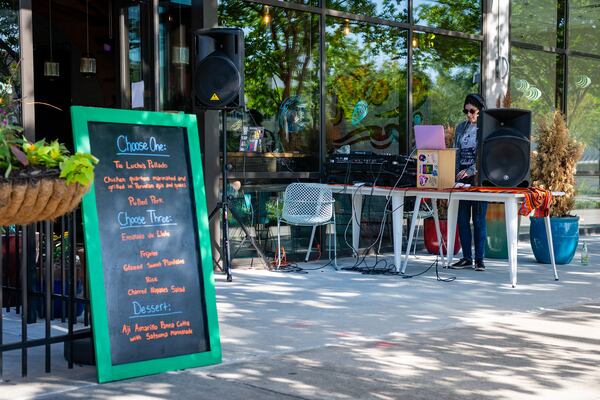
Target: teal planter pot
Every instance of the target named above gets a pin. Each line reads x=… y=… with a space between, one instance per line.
x=565 y=237
x=496 y=244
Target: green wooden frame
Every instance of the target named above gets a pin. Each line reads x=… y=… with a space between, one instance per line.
x=106 y=371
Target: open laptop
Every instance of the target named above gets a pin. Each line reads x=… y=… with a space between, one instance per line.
x=429 y=137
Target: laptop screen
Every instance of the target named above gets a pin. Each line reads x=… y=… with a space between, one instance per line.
x=429 y=137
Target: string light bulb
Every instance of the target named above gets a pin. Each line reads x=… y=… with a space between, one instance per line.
x=347 y=27
x=266 y=15
x=414 y=43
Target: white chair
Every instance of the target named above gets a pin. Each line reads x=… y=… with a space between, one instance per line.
x=308 y=204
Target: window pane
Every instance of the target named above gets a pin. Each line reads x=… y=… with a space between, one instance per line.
x=394 y=10
x=366 y=87
x=584 y=22
x=534 y=21
x=583 y=110
x=135 y=48
x=9 y=59
x=533 y=81
x=174 y=56
x=456 y=15
x=281 y=89
x=445 y=70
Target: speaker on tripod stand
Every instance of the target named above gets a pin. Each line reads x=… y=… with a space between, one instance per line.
x=218 y=82
x=504 y=147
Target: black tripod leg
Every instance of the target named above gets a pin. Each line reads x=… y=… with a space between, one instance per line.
x=212 y=214
x=226 y=255
x=249 y=236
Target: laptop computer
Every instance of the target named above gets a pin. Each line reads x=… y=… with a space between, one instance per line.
x=429 y=137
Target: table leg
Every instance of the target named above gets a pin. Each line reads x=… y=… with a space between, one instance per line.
x=512 y=235
x=413 y=223
x=357 y=201
x=550 y=245
x=397 y=222
x=451 y=228
x=438 y=232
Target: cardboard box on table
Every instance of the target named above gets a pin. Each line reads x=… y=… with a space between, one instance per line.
x=436 y=168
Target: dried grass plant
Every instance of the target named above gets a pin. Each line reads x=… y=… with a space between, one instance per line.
x=553 y=164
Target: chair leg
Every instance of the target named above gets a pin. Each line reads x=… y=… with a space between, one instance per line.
x=417 y=237
x=278 y=243
x=312 y=237
x=335 y=266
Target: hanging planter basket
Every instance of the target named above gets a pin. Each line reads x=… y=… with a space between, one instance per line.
x=37 y=196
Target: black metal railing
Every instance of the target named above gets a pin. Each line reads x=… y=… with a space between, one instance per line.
x=42 y=278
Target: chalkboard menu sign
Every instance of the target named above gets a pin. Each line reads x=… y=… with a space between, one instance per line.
x=147 y=243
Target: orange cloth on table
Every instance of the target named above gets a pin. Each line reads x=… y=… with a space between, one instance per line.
x=537 y=199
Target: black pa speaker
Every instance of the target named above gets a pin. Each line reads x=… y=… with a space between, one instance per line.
x=504 y=147
x=219 y=68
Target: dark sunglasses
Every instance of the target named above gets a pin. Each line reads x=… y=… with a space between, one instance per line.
x=471 y=111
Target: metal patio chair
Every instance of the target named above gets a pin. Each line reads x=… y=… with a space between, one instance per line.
x=308 y=204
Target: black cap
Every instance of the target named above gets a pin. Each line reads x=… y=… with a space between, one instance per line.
x=476 y=100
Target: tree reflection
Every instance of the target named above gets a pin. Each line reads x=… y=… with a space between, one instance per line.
x=281 y=69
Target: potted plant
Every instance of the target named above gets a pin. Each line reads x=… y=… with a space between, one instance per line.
x=38 y=181
x=553 y=167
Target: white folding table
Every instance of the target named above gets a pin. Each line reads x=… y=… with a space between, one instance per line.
x=511 y=212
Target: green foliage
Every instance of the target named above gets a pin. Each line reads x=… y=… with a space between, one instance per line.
x=8 y=139
x=16 y=153
x=78 y=168
x=45 y=155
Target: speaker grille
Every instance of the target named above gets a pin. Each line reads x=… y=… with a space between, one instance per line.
x=217 y=82
x=505 y=161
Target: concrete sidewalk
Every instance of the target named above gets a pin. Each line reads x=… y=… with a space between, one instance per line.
x=343 y=335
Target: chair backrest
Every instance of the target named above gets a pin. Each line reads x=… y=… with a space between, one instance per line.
x=307 y=204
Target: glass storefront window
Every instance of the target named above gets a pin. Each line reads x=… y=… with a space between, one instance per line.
x=281 y=89
x=135 y=48
x=583 y=110
x=533 y=81
x=174 y=55
x=10 y=55
x=366 y=87
x=461 y=16
x=584 y=23
x=395 y=10
x=534 y=22
x=445 y=70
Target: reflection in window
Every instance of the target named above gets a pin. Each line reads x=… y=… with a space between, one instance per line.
x=281 y=85
x=445 y=70
x=584 y=22
x=389 y=9
x=456 y=15
x=583 y=108
x=366 y=87
x=174 y=56
x=534 y=21
x=10 y=53
x=533 y=81
x=135 y=48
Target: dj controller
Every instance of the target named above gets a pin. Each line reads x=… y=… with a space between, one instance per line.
x=376 y=169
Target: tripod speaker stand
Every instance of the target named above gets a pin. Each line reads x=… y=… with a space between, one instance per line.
x=225 y=209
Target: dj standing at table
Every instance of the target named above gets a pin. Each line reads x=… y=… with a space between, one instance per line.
x=465 y=142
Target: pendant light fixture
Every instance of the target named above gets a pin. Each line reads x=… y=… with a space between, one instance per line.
x=180 y=53
x=87 y=63
x=51 y=68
